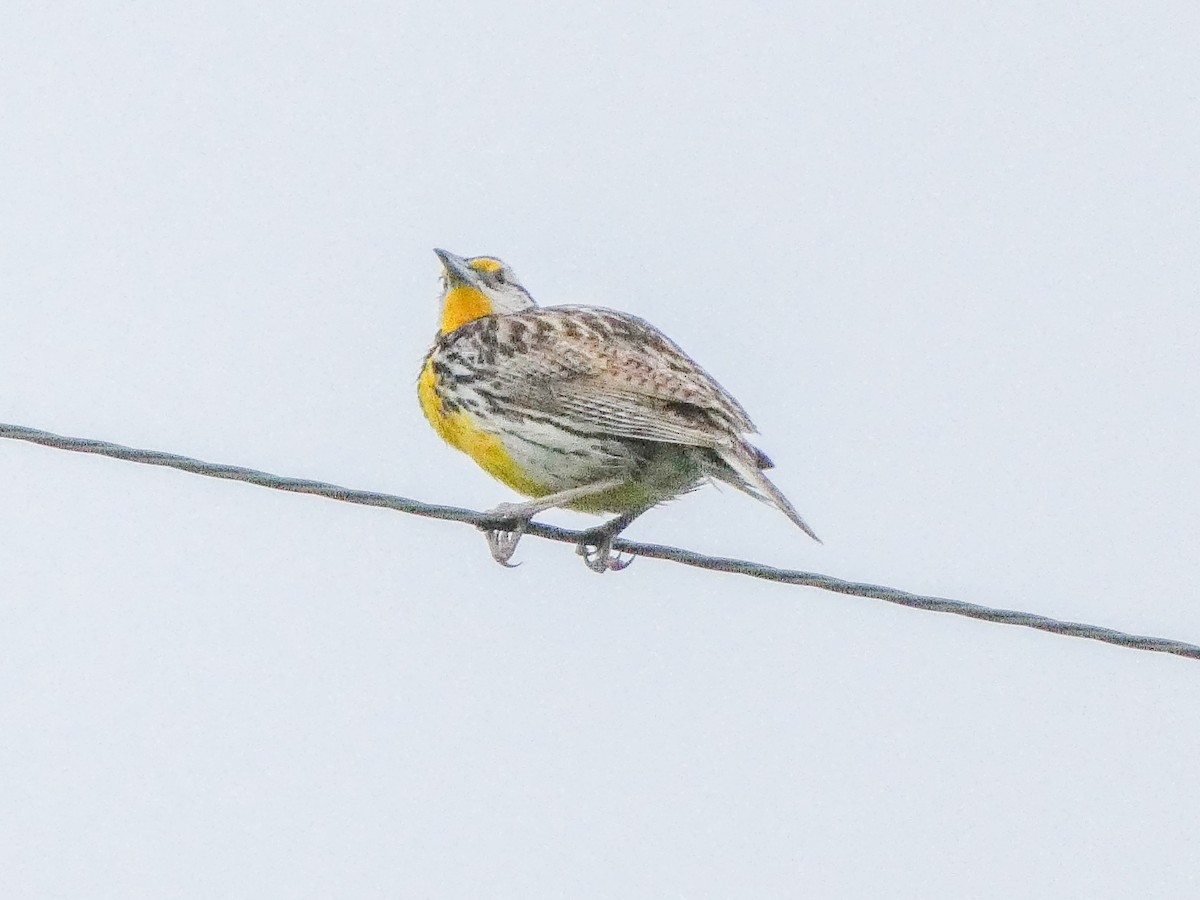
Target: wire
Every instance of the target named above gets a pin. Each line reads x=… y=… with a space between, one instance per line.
x=564 y=535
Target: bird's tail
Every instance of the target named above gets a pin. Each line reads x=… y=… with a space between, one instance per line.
x=741 y=465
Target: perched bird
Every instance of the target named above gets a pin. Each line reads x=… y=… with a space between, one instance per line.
x=578 y=407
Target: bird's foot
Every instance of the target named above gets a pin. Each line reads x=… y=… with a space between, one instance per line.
x=595 y=546
x=503 y=527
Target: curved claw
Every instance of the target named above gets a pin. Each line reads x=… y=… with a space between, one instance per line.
x=615 y=562
x=599 y=557
x=503 y=543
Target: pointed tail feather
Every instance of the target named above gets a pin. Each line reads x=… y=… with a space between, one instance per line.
x=742 y=469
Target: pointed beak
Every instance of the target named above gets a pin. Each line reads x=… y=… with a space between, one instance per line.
x=457 y=269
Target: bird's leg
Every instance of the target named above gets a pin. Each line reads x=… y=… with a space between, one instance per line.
x=596 y=544
x=505 y=524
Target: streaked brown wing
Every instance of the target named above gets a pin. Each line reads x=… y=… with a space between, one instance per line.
x=617 y=374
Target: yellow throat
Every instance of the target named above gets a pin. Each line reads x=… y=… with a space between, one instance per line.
x=463 y=304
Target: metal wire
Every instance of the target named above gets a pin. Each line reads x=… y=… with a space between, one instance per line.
x=564 y=535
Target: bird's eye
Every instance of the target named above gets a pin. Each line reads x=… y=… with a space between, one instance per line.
x=501 y=278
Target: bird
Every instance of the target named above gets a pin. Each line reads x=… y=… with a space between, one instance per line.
x=578 y=407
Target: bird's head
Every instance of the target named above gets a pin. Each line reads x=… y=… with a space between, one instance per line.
x=477 y=287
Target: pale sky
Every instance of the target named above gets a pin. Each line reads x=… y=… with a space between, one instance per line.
x=944 y=254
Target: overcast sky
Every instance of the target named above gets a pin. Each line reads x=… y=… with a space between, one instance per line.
x=946 y=256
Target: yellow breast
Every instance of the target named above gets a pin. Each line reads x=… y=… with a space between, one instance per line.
x=459 y=430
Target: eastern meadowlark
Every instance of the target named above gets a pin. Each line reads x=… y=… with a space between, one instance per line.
x=578 y=407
